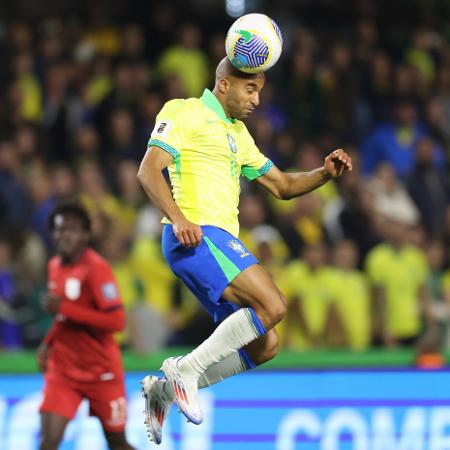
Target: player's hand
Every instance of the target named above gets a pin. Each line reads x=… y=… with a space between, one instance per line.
x=189 y=234
x=51 y=303
x=337 y=162
x=42 y=356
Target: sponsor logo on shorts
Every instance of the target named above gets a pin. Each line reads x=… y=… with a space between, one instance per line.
x=235 y=245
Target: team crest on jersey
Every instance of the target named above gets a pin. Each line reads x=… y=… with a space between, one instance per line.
x=109 y=291
x=238 y=248
x=231 y=143
x=72 y=288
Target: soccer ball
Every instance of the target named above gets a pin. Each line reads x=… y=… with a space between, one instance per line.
x=253 y=43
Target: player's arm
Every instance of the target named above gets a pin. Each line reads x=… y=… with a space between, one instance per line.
x=289 y=185
x=152 y=180
x=109 y=319
x=43 y=350
x=112 y=319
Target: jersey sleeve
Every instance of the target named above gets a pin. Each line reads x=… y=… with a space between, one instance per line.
x=171 y=128
x=255 y=164
x=104 y=287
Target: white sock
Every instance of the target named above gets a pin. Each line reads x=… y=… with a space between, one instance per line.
x=231 y=365
x=236 y=331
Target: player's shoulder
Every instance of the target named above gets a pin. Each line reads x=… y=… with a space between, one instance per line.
x=241 y=130
x=92 y=259
x=181 y=105
x=54 y=262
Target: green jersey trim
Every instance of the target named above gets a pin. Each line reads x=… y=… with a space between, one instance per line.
x=211 y=102
x=166 y=147
x=228 y=267
x=250 y=173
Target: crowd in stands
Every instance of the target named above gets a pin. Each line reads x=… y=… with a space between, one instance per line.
x=363 y=261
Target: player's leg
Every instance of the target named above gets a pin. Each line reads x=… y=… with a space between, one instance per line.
x=52 y=430
x=262 y=307
x=117 y=441
x=254 y=354
x=159 y=396
x=60 y=403
x=107 y=401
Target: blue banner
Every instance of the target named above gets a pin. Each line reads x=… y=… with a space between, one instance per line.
x=285 y=410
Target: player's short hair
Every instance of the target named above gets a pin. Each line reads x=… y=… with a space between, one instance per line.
x=70 y=209
x=225 y=68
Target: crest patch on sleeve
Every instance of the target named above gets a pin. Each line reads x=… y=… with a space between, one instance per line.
x=162 y=128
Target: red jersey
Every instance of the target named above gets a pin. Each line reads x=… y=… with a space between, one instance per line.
x=82 y=346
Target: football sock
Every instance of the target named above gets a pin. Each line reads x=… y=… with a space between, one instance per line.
x=236 y=331
x=233 y=364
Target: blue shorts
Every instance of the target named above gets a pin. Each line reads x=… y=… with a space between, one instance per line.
x=209 y=268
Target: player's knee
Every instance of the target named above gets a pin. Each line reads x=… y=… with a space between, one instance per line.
x=276 y=311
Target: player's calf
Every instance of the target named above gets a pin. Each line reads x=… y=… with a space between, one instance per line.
x=117 y=441
x=264 y=348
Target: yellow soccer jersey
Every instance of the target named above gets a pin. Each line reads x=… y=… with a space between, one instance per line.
x=314 y=289
x=210 y=152
x=401 y=273
x=352 y=296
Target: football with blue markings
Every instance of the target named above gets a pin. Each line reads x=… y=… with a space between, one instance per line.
x=254 y=43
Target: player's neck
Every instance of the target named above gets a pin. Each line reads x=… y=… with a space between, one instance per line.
x=67 y=260
x=219 y=97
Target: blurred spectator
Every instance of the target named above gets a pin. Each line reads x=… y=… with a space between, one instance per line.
x=27 y=142
x=41 y=195
x=394 y=142
x=340 y=87
x=96 y=194
x=306 y=103
x=429 y=187
x=376 y=91
x=14 y=202
x=389 y=194
x=351 y=296
x=419 y=55
x=398 y=274
x=308 y=287
x=122 y=137
x=30 y=88
x=10 y=334
x=64 y=184
x=87 y=143
x=435 y=253
x=187 y=61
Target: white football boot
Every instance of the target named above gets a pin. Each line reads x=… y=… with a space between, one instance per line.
x=158 y=401
x=184 y=389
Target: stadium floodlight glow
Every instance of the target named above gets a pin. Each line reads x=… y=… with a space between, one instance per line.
x=235 y=8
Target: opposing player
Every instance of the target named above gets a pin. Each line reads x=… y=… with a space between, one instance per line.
x=79 y=356
x=206 y=148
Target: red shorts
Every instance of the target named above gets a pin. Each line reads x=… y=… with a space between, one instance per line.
x=107 y=400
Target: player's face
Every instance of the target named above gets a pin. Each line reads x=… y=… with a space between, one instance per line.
x=69 y=236
x=243 y=96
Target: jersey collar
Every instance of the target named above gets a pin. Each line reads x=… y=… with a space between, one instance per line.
x=211 y=102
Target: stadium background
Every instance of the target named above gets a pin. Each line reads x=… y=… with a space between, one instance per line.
x=81 y=83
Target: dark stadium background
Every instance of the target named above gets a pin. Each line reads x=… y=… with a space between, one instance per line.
x=80 y=86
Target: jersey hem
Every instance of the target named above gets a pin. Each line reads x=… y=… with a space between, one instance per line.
x=166 y=147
